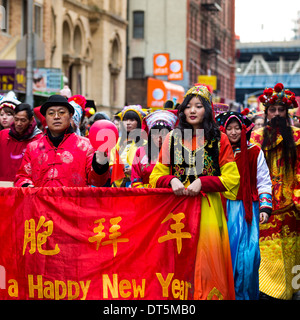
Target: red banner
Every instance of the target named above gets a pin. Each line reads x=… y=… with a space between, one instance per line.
x=97 y=243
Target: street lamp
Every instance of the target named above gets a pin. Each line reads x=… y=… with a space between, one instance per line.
x=29 y=54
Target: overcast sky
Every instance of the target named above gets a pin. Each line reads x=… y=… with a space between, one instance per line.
x=265 y=20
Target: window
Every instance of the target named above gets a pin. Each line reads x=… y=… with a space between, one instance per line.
x=194 y=15
x=138 y=24
x=138 y=68
x=193 y=71
x=217 y=43
x=194 y=25
x=38 y=20
x=204 y=33
x=67 y=38
x=4 y=15
x=77 y=41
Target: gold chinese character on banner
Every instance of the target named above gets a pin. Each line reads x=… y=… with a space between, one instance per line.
x=177 y=227
x=36 y=241
x=114 y=234
x=100 y=235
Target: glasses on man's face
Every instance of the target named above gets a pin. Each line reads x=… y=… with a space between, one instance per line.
x=59 y=113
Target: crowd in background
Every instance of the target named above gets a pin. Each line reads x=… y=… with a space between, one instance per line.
x=249 y=177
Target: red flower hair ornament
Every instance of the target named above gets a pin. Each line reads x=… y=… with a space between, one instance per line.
x=245 y=111
x=79 y=99
x=278 y=95
x=278 y=87
x=222 y=129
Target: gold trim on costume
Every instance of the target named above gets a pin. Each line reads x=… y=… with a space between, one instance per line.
x=215 y=292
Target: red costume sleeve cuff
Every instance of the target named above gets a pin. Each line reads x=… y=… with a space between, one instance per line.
x=164 y=181
x=211 y=184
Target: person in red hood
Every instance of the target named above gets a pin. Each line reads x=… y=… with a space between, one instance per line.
x=41 y=118
x=60 y=157
x=13 y=141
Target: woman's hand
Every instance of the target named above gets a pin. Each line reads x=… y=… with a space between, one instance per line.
x=263 y=217
x=194 y=188
x=177 y=187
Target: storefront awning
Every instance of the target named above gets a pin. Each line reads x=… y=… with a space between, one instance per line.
x=159 y=91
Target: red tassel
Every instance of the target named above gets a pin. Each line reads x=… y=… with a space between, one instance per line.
x=224 y=205
x=245 y=178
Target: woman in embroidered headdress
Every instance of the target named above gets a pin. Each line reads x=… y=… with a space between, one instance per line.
x=196 y=159
x=280 y=237
x=7 y=107
x=158 y=124
x=252 y=206
x=121 y=156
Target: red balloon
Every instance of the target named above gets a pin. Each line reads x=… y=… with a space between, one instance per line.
x=103 y=135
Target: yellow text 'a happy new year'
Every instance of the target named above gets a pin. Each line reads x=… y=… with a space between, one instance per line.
x=113 y=288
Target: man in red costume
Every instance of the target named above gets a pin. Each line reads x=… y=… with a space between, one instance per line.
x=60 y=157
x=280 y=237
x=13 y=141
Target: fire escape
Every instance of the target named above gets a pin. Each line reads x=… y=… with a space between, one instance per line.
x=210 y=52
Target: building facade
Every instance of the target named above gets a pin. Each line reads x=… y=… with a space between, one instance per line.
x=199 y=32
x=211 y=44
x=86 y=39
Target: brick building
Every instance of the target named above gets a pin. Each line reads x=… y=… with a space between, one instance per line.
x=86 y=39
x=211 y=43
x=199 y=32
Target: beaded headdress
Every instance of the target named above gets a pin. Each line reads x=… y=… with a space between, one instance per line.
x=135 y=108
x=200 y=90
x=223 y=120
x=10 y=100
x=278 y=95
x=161 y=117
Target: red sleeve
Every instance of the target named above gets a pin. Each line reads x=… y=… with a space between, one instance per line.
x=96 y=176
x=211 y=184
x=165 y=159
x=23 y=175
x=164 y=181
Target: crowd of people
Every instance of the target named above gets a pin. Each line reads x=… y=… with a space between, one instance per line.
x=246 y=171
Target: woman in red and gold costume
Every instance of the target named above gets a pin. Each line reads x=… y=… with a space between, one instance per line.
x=280 y=237
x=196 y=159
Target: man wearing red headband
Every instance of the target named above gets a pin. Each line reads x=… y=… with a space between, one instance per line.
x=280 y=237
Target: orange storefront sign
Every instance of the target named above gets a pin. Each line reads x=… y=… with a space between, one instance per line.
x=159 y=91
x=176 y=70
x=161 y=64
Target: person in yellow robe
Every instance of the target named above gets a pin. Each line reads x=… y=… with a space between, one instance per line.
x=280 y=237
x=125 y=149
x=196 y=159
